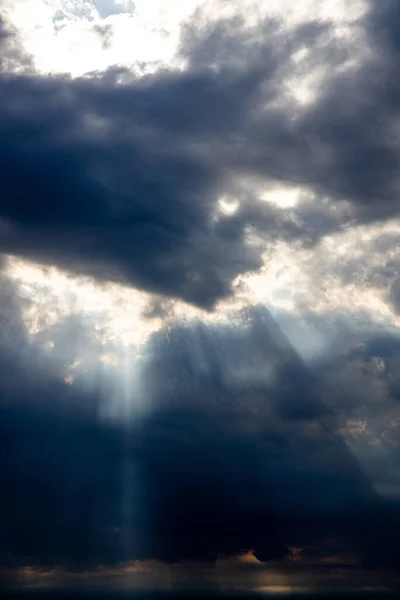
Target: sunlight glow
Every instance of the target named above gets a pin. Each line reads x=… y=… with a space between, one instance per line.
x=53 y=296
x=117 y=321
x=277 y=589
x=318 y=280
x=75 y=37
x=283 y=197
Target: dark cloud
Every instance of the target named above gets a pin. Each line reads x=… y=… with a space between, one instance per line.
x=216 y=465
x=354 y=120
x=122 y=181
x=344 y=144
x=133 y=210
x=240 y=446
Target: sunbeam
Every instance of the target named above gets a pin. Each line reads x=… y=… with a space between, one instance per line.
x=199 y=298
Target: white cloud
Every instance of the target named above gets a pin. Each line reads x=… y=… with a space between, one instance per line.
x=59 y=33
x=339 y=274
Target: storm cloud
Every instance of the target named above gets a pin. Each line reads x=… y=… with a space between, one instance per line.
x=99 y=176
x=218 y=465
x=240 y=444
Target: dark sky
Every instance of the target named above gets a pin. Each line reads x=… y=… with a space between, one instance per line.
x=259 y=410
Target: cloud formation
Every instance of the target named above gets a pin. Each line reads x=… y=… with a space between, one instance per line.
x=220 y=464
x=122 y=181
x=158 y=182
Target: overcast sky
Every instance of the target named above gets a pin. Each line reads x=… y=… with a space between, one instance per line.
x=199 y=286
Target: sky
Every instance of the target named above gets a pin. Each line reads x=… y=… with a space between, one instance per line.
x=200 y=293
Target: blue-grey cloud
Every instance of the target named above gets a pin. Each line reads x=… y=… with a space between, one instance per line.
x=98 y=176
x=122 y=181
x=216 y=466
x=241 y=448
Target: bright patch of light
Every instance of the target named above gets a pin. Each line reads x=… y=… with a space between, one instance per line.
x=228 y=206
x=304 y=90
x=225 y=207
x=338 y=275
x=283 y=197
x=53 y=296
x=65 y=35
x=119 y=314
x=94 y=331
